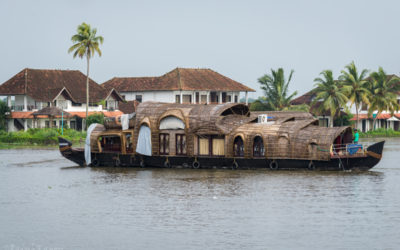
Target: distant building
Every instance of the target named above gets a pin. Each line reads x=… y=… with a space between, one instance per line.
x=181 y=85
x=384 y=120
x=32 y=90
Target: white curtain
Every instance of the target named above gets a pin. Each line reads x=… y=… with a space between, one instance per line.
x=171 y=122
x=218 y=146
x=88 y=157
x=144 y=141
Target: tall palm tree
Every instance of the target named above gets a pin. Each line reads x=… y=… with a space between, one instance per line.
x=356 y=85
x=86 y=45
x=384 y=92
x=276 y=89
x=330 y=94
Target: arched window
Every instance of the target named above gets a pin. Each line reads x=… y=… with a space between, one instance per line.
x=172 y=122
x=238 y=147
x=258 y=147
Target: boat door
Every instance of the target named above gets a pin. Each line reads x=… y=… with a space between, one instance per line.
x=144 y=141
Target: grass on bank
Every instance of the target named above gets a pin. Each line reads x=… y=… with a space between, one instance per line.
x=44 y=136
x=380 y=132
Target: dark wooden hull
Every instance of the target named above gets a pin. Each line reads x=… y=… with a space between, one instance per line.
x=362 y=163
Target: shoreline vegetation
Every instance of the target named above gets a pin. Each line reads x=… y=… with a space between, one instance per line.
x=49 y=137
x=40 y=137
x=380 y=132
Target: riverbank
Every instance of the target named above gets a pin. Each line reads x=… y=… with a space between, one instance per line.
x=39 y=137
x=380 y=132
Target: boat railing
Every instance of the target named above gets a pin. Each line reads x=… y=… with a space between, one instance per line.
x=349 y=149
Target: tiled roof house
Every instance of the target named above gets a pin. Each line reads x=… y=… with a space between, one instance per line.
x=181 y=85
x=31 y=90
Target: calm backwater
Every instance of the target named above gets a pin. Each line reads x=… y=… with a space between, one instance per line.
x=48 y=203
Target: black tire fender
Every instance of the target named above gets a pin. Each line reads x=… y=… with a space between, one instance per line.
x=95 y=163
x=273 y=165
x=142 y=164
x=167 y=164
x=196 y=164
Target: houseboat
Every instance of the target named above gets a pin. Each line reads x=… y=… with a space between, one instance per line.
x=170 y=135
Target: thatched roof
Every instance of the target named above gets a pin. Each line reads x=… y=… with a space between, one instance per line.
x=51 y=112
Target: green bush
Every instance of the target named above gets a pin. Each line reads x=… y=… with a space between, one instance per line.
x=381 y=132
x=45 y=136
x=95 y=118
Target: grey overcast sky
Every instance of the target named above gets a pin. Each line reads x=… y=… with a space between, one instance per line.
x=240 y=39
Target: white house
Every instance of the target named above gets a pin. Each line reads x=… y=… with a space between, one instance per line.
x=181 y=85
x=31 y=90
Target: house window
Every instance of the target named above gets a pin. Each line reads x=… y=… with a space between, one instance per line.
x=203 y=99
x=197 y=97
x=236 y=99
x=138 y=98
x=164 y=144
x=223 y=97
x=187 y=98
x=229 y=98
x=91 y=104
x=180 y=144
x=258 y=147
x=73 y=124
x=54 y=124
x=364 y=106
x=74 y=104
x=178 y=98
x=47 y=124
x=238 y=147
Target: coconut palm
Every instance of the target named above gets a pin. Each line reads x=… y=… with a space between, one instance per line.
x=86 y=45
x=276 y=89
x=384 y=92
x=356 y=85
x=330 y=94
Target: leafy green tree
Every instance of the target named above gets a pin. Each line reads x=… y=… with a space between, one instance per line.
x=3 y=110
x=86 y=45
x=276 y=89
x=384 y=91
x=331 y=95
x=356 y=85
x=95 y=118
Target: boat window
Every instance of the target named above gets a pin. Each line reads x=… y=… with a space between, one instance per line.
x=238 y=147
x=164 y=144
x=212 y=145
x=172 y=122
x=218 y=146
x=128 y=142
x=180 y=144
x=258 y=147
x=111 y=143
x=204 y=146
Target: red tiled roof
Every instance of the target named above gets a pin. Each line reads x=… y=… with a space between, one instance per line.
x=178 y=79
x=380 y=116
x=45 y=85
x=21 y=115
x=106 y=113
x=304 y=99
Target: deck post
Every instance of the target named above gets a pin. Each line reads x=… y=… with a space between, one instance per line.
x=220 y=98
x=25 y=103
x=208 y=97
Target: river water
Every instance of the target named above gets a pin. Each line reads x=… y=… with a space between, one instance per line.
x=46 y=202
